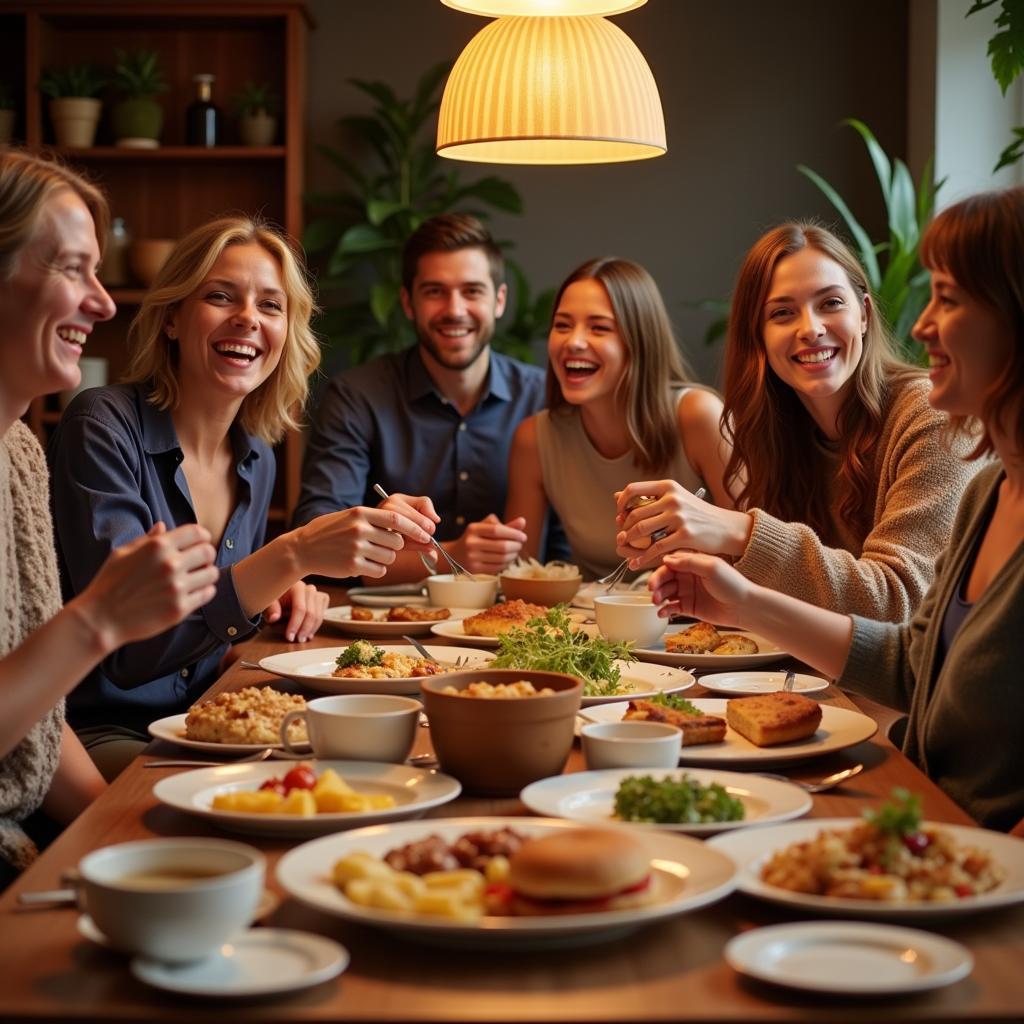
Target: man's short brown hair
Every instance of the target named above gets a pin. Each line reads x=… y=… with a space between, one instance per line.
x=450 y=232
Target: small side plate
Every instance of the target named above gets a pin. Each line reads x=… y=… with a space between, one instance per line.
x=849 y=958
x=752 y=683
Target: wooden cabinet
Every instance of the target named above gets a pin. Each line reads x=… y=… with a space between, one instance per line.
x=166 y=191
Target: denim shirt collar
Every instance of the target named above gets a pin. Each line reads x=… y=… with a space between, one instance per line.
x=419 y=382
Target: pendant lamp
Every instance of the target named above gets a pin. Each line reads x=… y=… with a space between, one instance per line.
x=551 y=90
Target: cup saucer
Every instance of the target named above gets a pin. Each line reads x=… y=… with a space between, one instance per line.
x=257 y=961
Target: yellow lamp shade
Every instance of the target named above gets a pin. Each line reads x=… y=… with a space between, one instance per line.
x=543 y=8
x=551 y=90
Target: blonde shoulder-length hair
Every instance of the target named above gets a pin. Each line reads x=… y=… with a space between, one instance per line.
x=276 y=405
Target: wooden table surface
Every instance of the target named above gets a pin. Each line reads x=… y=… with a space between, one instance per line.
x=669 y=971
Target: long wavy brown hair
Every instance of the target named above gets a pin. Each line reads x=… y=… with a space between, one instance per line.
x=979 y=242
x=774 y=464
x=655 y=364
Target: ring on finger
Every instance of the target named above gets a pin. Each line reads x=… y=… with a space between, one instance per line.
x=658 y=535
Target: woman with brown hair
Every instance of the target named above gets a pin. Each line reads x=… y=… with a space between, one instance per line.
x=844 y=483
x=619 y=407
x=222 y=353
x=955 y=667
x=51 y=221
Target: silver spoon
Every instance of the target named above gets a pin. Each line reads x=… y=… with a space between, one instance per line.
x=829 y=782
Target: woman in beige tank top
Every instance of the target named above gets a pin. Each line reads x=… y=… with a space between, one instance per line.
x=619 y=409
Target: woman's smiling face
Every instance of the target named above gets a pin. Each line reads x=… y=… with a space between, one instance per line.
x=231 y=330
x=586 y=351
x=813 y=325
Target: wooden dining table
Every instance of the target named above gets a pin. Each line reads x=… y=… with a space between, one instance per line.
x=672 y=970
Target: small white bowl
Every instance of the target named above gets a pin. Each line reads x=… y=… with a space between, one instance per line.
x=630 y=617
x=477 y=591
x=631 y=745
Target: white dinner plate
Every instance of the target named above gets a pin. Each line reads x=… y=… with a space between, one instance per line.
x=415 y=791
x=738 y=683
x=452 y=630
x=687 y=874
x=849 y=957
x=340 y=620
x=589 y=798
x=389 y=596
x=766 y=655
x=255 y=962
x=751 y=850
x=172 y=729
x=838 y=730
x=314 y=668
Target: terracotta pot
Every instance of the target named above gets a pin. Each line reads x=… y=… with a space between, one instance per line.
x=147 y=256
x=74 y=120
x=258 y=129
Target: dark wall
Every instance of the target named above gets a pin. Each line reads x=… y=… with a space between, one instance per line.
x=749 y=90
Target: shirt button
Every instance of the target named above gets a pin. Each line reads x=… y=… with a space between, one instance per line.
x=463 y=475
x=459 y=520
x=229 y=544
x=462 y=426
x=232 y=631
x=184 y=673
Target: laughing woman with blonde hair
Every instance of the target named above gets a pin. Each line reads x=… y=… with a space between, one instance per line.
x=222 y=355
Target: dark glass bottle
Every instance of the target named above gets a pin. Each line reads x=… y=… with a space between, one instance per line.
x=203 y=121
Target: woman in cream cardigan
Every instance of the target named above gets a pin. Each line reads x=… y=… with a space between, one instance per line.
x=955 y=667
x=50 y=300
x=845 y=487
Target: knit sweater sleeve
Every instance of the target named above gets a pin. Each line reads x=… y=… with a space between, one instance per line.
x=921 y=480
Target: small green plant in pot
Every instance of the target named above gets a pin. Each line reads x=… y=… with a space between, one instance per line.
x=256 y=106
x=138 y=118
x=74 y=107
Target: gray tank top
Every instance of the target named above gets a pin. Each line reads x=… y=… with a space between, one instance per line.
x=580 y=484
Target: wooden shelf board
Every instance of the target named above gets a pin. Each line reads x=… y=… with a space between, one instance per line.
x=163 y=153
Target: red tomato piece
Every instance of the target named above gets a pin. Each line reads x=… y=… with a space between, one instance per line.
x=276 y=785
x=300 y=777
x=917 y=842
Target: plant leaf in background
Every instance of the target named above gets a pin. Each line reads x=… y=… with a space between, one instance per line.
x=897 y=279
x=1006 y=52
x=396 y=184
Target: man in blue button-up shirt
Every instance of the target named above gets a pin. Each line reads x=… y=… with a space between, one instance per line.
x=438 y=418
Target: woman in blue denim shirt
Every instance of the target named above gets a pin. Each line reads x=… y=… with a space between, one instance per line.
x=222 y=352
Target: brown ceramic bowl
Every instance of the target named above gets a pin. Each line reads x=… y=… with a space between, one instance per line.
x=545 y=592
x=147 y=257
x=496 y=747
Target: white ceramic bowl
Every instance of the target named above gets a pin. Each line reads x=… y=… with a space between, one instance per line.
x=358 y=727
x=631 y=745
x=630 y=617
x=172 y=899
x=477 y=591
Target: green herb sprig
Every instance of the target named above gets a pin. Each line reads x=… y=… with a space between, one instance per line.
x=681 y=704
x=899 y=816
x=681 y=800
x=362 y=652
x=550 y=643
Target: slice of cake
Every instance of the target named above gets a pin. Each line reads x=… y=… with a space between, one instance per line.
x=772 y=718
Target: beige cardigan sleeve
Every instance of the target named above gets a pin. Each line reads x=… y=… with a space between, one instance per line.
x=921 y=478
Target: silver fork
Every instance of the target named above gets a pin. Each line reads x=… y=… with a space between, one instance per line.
x=260 y=755
x=614 y=578
x=457 y=570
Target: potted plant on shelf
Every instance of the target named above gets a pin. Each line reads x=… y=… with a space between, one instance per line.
x=138 y=118
x=256 y=107
x=6 y=114
x=74 y=108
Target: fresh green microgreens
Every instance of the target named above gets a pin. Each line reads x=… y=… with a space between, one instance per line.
x=551 y=643
x=899 y=816
x=362 y=652
x=670 y=700
x=681 y=800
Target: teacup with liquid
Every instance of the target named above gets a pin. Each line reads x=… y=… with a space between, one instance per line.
x=173 y=899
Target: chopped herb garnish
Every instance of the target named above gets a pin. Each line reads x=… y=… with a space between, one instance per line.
x=681 y=800
x=899 y=816
x=670 y=700
x=362 y=652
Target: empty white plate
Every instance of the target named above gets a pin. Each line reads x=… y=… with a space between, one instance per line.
x=735 y=683
x=260 y=961
x=849 y=957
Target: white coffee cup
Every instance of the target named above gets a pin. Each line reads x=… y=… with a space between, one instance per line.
x=631 y=745
x=630 y=617
x=175 y=899
x=358 y=727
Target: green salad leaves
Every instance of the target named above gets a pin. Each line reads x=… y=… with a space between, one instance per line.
x=681 y=704
x=362 y=652
x=550 y=643
x=675 y=801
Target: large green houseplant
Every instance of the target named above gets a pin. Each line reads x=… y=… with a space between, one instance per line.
x=359 y=230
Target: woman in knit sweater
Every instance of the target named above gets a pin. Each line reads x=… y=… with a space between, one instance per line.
x=50 y=300
x=839 y=463
x=955 y=667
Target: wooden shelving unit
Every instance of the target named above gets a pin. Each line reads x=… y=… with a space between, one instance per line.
x=165 y=192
